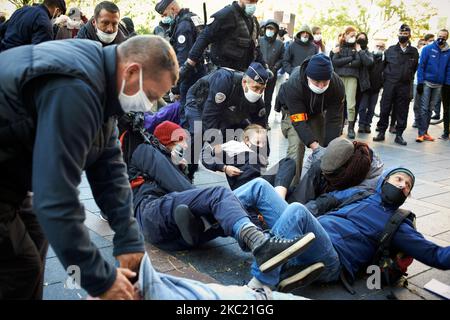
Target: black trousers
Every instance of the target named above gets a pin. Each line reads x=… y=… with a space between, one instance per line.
x=397 y=96
x=268 y=95
x=23 y=249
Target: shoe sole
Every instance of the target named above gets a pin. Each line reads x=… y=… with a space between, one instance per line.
x=186 y=223
x=294 y=250
x=302 y=279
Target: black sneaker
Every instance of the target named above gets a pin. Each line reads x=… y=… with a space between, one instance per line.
x=444 y=137
x=434 y=122
x=103 y=216
x=379 y=137
x=301 y=277
x=189 y=225
x=435 y=117
x=275 y=251
x=399 y=140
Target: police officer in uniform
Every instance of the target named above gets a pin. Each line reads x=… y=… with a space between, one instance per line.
x=185 y=27
x=401 y=62
x=233 y=35
x=224 y=99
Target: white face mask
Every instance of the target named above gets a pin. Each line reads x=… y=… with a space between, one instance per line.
x=351 y=40
x=106 y=37
x=138 y=102
x=177 y=154
x=316 y=89
x=252 y=96
x=317 y=37
x=304 y=39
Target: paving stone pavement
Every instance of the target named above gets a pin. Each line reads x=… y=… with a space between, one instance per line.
x=222 y=261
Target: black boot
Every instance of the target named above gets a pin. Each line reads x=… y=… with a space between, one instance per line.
x=361 y=128
x=351 y=129
x=399 y=140
x=367 y=129
x=379 y=137
x=189 y=225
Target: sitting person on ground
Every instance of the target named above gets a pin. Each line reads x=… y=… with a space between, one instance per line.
x=348 y=239
x=346 y=168
x=169 y=209
x=245 y=160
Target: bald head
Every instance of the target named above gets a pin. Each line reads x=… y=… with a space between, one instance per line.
x=151 y=56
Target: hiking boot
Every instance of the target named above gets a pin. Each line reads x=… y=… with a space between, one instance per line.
x=379 y=137
x=351 y=130
x=301 y=277
x=444 y=137
x=275 y=251
x=427 y=137
x=392 y=130
x=420 y=139
x=189 y=225
x=367 y=129
x=399 y=140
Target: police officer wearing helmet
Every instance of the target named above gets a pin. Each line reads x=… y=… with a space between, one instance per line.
x=313 y=98
x=233 y=35
x=185 y=27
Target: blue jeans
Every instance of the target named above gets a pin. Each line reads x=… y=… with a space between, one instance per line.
x=297 y=221
x=428 y=102
x=367 y=107
x=159 y=286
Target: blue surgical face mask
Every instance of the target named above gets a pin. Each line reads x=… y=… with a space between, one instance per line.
x=270 y=33
x=250 y=9
x=167 y=20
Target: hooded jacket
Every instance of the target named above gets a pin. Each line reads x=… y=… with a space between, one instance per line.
x=301 y=101
x=355 y=229
x=88 y=31
x=272 y=49
x=298 y=51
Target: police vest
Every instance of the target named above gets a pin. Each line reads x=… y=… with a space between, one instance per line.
x=235 y=50
x=193 y=19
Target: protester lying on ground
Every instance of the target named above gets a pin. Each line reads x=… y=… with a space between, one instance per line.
x=346 y=168
x=169 y=208
x=245 y=160
x=347 y=239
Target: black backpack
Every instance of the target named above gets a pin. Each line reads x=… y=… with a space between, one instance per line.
x=393 y=263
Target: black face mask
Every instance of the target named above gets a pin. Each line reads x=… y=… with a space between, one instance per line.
x=392 y=196
x=403 y=39
x=440 y=41
x=363 y=43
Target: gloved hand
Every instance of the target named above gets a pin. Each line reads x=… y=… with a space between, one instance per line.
x=420 y=88
x=315 y=156
x=185 y=71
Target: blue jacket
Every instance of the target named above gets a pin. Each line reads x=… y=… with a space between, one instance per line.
x=433 y=64
x=27 y=25
x=355 y=230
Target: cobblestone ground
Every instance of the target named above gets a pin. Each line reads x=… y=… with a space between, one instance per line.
x=222 y=261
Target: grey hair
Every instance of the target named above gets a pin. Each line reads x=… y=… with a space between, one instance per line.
x=154 y=53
